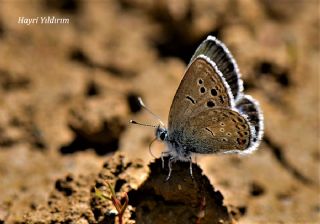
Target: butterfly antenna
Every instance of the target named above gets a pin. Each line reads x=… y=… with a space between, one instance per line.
x=144 y=106
x=150 y=147
x=147 y=125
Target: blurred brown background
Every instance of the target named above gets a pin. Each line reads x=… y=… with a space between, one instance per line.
x=67 y=92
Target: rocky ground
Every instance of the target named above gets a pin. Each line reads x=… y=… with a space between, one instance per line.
x=67 y=92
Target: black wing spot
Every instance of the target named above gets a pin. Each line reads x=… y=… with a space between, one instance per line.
x=214 y=92
x=224 y=139
x=202 y=90
x=191 y=99
x=210 y=103
x=200 y=81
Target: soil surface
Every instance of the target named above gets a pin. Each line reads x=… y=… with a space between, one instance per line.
x=67 y=92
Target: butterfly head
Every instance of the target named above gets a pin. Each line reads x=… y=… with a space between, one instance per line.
x=161 y=133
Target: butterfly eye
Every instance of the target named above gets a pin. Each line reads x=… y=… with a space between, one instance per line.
x=162 y=136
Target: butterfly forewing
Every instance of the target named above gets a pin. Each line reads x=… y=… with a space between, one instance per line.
x=201 y=88
x=217 y=52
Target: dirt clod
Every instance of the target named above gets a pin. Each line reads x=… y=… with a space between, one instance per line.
x=181 y=196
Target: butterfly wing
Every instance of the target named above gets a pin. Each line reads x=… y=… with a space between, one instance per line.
x=250 y=108
x=218 y=130
x=202 y=86
x=209 y=112
x=217 y=52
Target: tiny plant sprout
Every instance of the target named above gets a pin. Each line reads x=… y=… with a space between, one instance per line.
x=115 y=201
x=201 y=213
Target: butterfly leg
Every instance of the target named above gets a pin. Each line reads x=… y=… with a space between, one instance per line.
x=162 y=155
x=190 y=159
x=172 y=159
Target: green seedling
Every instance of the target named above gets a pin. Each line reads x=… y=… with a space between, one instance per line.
x=115 y=201
x=201 y=213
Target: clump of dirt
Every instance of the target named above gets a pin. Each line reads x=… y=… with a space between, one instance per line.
x=192 y=199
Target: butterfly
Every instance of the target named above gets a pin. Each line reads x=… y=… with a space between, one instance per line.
x=210 y=114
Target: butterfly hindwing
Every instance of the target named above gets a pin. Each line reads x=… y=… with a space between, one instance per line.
x=218 y=130
x=250 y=108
